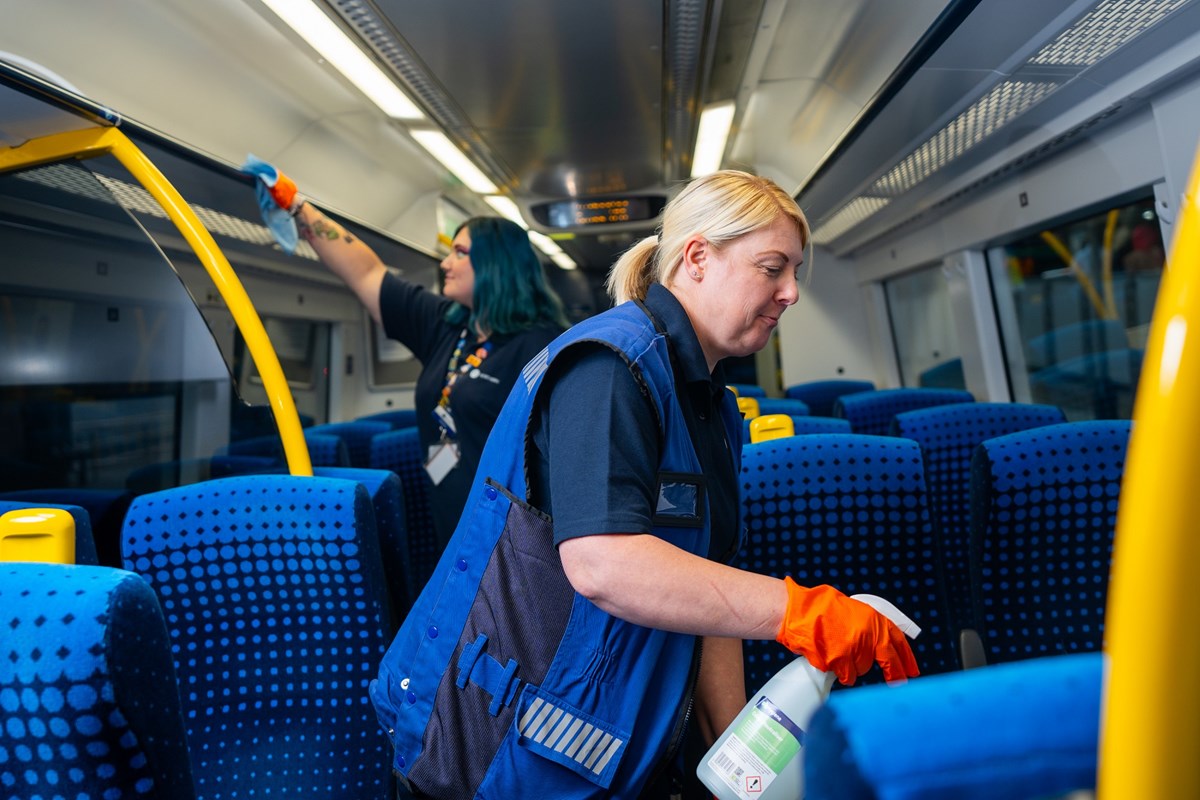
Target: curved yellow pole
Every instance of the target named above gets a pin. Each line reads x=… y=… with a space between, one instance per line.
x=93 y=142
x=1151 y=731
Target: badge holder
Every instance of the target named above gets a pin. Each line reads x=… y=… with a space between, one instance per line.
x=444 y=455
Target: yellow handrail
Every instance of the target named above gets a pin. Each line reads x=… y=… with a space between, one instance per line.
x=93 y=142
x=1151 y=730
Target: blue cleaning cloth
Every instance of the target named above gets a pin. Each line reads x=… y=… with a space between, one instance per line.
x=281 y=224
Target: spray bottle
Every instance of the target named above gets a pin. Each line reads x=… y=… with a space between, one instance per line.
x=759 y=757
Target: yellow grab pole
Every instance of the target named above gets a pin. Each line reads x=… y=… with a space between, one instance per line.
x=1151 y=728
x=93 y=142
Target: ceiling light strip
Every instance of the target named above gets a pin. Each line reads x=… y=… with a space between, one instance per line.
x=849 y=215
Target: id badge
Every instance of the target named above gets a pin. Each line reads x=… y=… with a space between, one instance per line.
x=445 y=419
x=442 y=458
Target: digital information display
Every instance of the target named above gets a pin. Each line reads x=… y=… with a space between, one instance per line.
x=601 y=211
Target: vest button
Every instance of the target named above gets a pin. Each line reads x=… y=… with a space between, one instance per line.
x=400 y=761
x=433 y=631
x=490 y=493
x=462 y=565
x=411 y=697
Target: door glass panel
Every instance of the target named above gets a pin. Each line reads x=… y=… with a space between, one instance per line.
x=1074 y=303
x=923 y=330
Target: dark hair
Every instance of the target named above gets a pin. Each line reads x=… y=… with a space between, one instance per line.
x=511 y=293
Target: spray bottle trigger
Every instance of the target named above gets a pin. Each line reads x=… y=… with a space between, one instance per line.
x=901 y=621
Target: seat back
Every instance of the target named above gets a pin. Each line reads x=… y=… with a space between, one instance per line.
x=400 y=418
x=748 y=406
x=273 y=595
x=84 y=546
x=948 y=435
x=819 y=395
x=872 y=412
x=849 y=511
x=90 y=704
x=387 y=500
x=1013 y=730
x=400 y=452
x=772 y=426
x=780 y=405
x=1043 y=514
x=357 y=436
x=105 y=512
x=804 y=425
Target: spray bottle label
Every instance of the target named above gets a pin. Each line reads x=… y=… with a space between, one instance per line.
x=757 y=750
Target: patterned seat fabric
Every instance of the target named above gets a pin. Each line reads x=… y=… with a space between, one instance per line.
x=819 y=395
x=872 y=412
x=777 y=405
x=273 y=595
x=1043 y=515
x=357 y=436
x=948 y=435
x=387 y=499
x=400 y=452
x=849 y=511
x=87 y=689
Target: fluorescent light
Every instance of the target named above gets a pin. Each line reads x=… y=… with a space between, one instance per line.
x=441 y=148
x=563 y=260
x=507 y=208
x=715 y=121
x=337 y=48
x=551 y=248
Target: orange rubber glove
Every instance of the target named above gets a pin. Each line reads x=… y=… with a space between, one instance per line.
x=835 y=632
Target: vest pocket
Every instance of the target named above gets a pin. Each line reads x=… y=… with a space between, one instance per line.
x=559 y=732
x=680 y=500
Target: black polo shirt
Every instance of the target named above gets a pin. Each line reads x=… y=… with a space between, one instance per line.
x=416 y=318
x=597 y=441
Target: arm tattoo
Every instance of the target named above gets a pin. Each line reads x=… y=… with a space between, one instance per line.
x=322 y=228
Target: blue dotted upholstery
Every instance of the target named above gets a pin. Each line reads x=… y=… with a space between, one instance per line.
x=1009 y=731
x=85 y=545
x=357 y=436
x=948 y=435
x=400 y=418
x=88 y=698
x=273 y=595
x=400 y=451
x=819 y=395
x=105 y=509
x=387 y=499
x=779 y=405
x=805 y=425
x=872 y=412
x=1043 y=514
x=326 y=450
x=749 y=390
x=849 y=511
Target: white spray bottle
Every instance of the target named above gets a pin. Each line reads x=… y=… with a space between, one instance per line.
x=759 y=756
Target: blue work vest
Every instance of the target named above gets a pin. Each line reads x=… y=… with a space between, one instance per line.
x=503 y=682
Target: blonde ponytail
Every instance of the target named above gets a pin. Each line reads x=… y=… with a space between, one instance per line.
x=635 y=270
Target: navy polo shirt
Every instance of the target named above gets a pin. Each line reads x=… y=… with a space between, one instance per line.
x=597 y=440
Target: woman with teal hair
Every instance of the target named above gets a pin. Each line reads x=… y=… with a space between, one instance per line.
x=495 y=312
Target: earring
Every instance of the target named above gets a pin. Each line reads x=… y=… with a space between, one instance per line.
x=695 y=274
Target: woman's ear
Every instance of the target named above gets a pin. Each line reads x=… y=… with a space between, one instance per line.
x=695 y=256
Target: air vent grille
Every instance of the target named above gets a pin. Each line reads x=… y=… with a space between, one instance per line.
x=1102 y=30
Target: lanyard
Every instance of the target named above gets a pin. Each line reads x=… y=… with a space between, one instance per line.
x=454 y=370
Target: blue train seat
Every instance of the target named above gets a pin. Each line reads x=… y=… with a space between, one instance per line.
x=87 y=688
x=819 y=395
x=849 y=511
x=872 y=412
x=105 y=509
x=400 y=452
x=357 y=436
x=780 y=405
x=85 y=545
x=400 y=418
x=1043 y=515
x=948 y=435
x=806 y=425
x=1029 y=729
x=387 y=499
x=324 y=450
x=273 y=594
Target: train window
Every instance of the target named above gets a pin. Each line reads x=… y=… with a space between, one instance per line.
x=923 y=329
x=109 y=376
x=391 y=364
x=1074 y=303
x=302 y=346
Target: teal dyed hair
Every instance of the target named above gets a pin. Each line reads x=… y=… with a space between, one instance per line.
x=511 y=292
